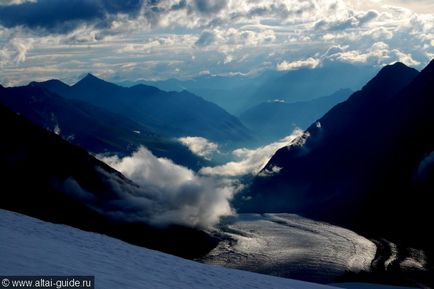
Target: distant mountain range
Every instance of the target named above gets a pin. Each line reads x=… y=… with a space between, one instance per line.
x=44 y=176
x=229 y=92
x=367 y=164
x=276 y=119
x=307 y=84
x=238 y=93
x=173 y=114
x=94 y=129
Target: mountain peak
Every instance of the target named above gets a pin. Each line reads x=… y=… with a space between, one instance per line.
x=387 y=78
x=90 y=76
x=396 y=68
x=92 y=80
x=429 y=68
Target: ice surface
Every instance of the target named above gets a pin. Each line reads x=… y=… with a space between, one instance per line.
x=292 y=246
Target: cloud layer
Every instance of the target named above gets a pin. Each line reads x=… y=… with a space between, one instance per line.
x=251 y=161
x=200 y=146
x=166 y=194
x=180 y=38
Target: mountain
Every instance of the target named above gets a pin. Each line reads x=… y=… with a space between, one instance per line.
x=46 y=177
x=229 y=92
x=307 y=84
x=367 y=164
x=94 y=129
x=169 y=113
x=237 y=93
x=31 y=247
x=276 y=119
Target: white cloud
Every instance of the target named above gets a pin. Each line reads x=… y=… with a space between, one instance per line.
x=306 y=63
x=199 y=146
x=168 y=193
x=405 y=58
x=379 y=52
x=15 y=2
x=420 y=6
x=251 y=161
x=21 y=46
x=228 y=59
x=270 y=172
x=15 y=51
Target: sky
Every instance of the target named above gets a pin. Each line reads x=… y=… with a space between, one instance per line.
x=159 y=39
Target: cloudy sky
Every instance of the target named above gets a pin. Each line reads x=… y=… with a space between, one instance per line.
x=159 y=39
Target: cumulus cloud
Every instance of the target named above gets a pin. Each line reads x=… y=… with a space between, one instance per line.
x=251 y=161
x=15 y=51
x=305 y=63
x=61 y=16
x=21 y=46
x=405 y=58
x=200 y=146
x=377 y=53
x=353 y=21
x=163 y=193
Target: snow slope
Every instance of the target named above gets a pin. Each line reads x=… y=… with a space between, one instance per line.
x=32 y=247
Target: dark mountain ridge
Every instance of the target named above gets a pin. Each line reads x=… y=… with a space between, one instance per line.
x=360 y=165
x=90 y=127
x=169 y=113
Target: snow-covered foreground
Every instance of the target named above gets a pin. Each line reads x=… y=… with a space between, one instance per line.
x=292 y=246
x=32 y=247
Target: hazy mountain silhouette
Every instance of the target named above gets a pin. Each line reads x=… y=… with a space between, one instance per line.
x=170 y=113
x=367 y=164
x=230 y=92
x=307 y=84
x=276 y=119
x=238 y=93
x=34 y=165
x=94 y=129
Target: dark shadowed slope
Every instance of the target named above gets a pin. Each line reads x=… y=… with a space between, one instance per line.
x=170 y=113
x=94 y=129
x=367 y=164
x=276 y=119
x=45 y=177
